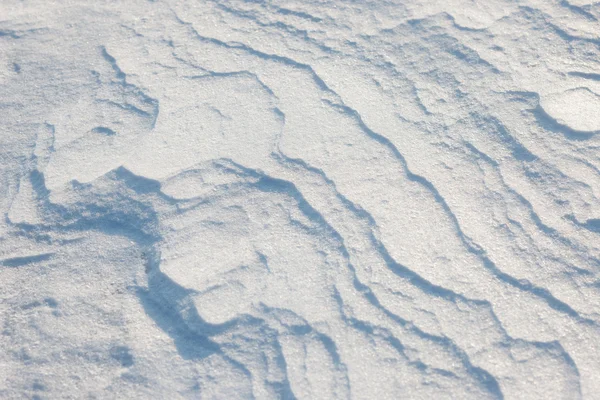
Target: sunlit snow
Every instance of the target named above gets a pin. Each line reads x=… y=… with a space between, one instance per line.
x=265 y=199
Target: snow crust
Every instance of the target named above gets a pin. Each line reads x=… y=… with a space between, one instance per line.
x=576 y=109
x=300 y=199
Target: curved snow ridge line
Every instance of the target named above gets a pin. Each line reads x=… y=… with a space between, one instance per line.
x=273 y=184
x=167 y=303
x=484 y=377
x=573 y=247
x=265 y=56
x=552 y=125
x=159 y=283
x=427 y=288
x=279 y=25
x=171 y=292
x=404 y=272
x=122 y=80
x=321 y=306
x=540 y=292
x=254 y=172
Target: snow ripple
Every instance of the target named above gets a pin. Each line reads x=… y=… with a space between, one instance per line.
x=300 y=199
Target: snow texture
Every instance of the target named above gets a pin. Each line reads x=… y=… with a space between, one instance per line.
x=285 y=199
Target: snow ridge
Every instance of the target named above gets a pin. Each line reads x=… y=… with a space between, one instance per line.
x=300 y=199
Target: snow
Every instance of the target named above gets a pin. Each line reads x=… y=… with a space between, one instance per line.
x=576 y=109
x=312 y=200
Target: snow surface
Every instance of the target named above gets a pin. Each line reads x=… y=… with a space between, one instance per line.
x=300 y=199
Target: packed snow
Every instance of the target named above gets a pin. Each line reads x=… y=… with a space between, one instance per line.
x=284 y=199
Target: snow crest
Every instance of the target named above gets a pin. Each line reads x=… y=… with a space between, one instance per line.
x=312 y=200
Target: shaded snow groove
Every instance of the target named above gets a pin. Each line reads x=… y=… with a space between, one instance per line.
x=540 y=292
x=486 y=379
x=206 y=200
x=475 y=249
x=427 y=287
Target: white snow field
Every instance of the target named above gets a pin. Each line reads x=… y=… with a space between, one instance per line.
x=286 y=199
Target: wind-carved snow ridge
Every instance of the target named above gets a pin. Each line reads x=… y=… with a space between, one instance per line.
x=298 y=200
